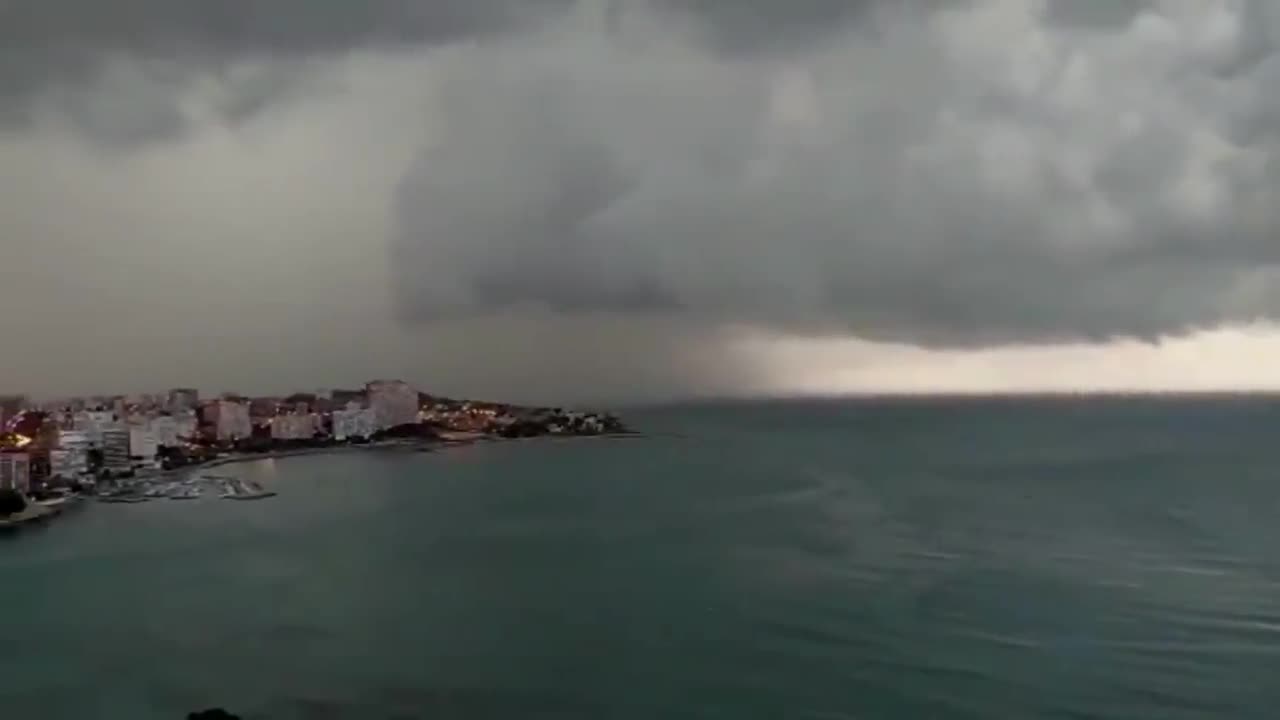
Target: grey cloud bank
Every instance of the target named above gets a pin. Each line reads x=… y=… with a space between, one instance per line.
x=987 y=172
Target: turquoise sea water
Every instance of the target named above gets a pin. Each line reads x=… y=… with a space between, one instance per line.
x=907 y=559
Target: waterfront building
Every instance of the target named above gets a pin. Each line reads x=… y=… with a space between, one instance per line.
x=186 y=425
x=60 y=464
x=71 y=458
x=393 y=402
x=207 y=418
x=94 y=422
x=115 y=449
x=15 y=471
x=281 y=427
x=354 y=422
x=230 y=419
x=68 y=464
x=293 y=426
x=143 y=442
x=174 y=430
x=164 y=430
x=38 y=468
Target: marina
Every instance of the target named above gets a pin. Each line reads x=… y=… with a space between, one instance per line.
x=238 y=489
x=194 y=487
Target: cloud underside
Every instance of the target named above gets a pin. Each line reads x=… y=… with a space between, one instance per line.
x=989 y=172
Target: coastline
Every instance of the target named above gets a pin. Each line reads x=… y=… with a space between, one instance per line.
x=188 y=439
x=444 y=441
x=32 y=514
x=243 y=458
x=35 y=513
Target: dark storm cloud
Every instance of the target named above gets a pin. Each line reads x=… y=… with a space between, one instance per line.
x=116 y=70
x=50 y=42
x=61 y=34
x=78 y=50
x=1095 y=13
x=972 y=173
x=751 y=26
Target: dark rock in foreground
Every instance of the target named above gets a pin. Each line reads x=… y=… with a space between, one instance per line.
x=212 y=714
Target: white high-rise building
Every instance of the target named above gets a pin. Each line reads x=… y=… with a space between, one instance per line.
x=67 y=464
x=94 y=422
x=294 y=426
x=164 y=429
x=171 y=430
x=393 y=403
x=232 y=420
x=71 y=459
x=185 y=426
x=115 y=449
x=143 y=442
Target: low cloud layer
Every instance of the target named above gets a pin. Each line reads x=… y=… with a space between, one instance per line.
x=997 y=171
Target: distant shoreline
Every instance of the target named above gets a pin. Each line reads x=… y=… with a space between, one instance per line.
x=37 y=513
x=443 y=442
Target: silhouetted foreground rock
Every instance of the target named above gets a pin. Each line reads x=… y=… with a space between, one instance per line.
x=212 y=714
x=11 y=502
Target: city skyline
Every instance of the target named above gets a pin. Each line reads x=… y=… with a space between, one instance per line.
x=191 y=399
x=46 y=446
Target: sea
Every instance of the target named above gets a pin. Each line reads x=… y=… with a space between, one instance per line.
x=1072 y=558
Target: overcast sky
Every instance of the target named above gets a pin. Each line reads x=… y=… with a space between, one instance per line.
x=593 y=200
